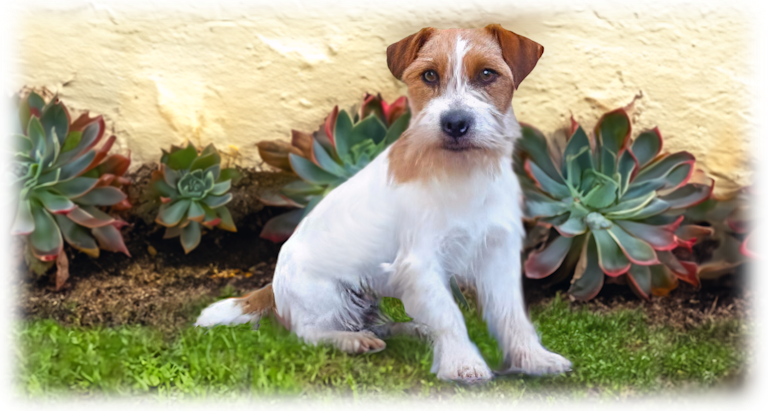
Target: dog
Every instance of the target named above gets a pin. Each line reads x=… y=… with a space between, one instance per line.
x=441 y=201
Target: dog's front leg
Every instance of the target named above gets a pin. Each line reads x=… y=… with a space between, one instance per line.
x=424 y=289
x=500 y=294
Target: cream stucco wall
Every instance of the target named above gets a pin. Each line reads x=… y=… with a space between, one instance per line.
x=235 y=73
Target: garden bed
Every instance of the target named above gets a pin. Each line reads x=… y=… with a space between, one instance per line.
x=165 y=288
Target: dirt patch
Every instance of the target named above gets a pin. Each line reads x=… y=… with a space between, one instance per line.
x=159 y=285
x=686 y=307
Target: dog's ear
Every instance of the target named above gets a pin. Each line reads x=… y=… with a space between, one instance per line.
x=520 y=53
x=401 y=54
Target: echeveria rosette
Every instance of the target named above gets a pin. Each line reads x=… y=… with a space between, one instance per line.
x=193 y=190
x=62 y=184
x=327 y=158
x=750 y=219
x=615 y=206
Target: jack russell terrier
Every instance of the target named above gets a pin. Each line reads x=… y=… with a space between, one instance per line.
x=441 y=201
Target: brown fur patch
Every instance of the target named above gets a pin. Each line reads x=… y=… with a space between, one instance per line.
x=412 y=160
x=258 y=301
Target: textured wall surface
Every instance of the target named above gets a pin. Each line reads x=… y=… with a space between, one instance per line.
x=235 y=73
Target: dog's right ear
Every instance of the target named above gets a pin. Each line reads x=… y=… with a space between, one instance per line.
x=401 y=54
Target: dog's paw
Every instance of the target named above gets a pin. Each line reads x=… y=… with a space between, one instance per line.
x=363 y=342
x=468 y=369
x=535 y=360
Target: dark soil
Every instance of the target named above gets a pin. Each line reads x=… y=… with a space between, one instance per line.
x=722 y=299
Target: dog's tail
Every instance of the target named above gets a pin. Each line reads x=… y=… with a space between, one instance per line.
x=246 y=309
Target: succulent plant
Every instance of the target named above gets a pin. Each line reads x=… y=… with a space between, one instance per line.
x=328 y=157
x=726 y=219
x=613 y=205
x=62 y=183
x=193 y=190
x=750 y=219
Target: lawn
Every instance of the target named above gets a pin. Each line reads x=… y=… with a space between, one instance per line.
x=617 y=354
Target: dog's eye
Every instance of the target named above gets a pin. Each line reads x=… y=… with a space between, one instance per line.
x=487 y=76
x=430 y=77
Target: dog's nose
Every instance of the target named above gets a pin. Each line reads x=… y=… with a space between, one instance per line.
x=456 y=123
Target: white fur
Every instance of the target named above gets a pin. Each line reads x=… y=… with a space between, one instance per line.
x=225 y=312
x=406 y=240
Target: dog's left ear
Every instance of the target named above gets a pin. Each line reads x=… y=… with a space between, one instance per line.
x=520 y=53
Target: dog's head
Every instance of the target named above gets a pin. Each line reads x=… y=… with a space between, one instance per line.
x=460 y=83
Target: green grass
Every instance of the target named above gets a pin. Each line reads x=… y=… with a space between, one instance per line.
x=614 y=355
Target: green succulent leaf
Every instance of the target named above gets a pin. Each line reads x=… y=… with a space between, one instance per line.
x=660 y=168
x=46 y=240
x=588 y=277
x=206 y=159
x=603 y=195
x=688 y=196
x=90 y=216
x=535 y=145
x=577 y=146
x=636 y=250
x=77 y=236
x=182 y=159
x=24 y=223
x=576 y=223
x=75 y=187
x=171 y=214
x=55 y=120
x=548 y=185
x=309 y=171
x=76 y=167
x=221 y=188
x=397 y=128
x=343 y=134
x=627 y=167
x=195 y=211
x=613 y=262
x=539 y=205
x=217 y=201
x=72 y=141
x=36 y=102
x=613 y=131
x=325 y=161
x=647 y=146
x=110 y=239
x=91 y=134
x=190 y=236
x=102 y=196
x=226 y=223
x=640 y=280
x=53 y=202
x=165 y=190
x=370 y=128
x=659 y=237
x=37 y=136
x=629 y=207
x=171 y=176
x=540 y=264
x=662 y=280
x=636 y=190
x=655 y=207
